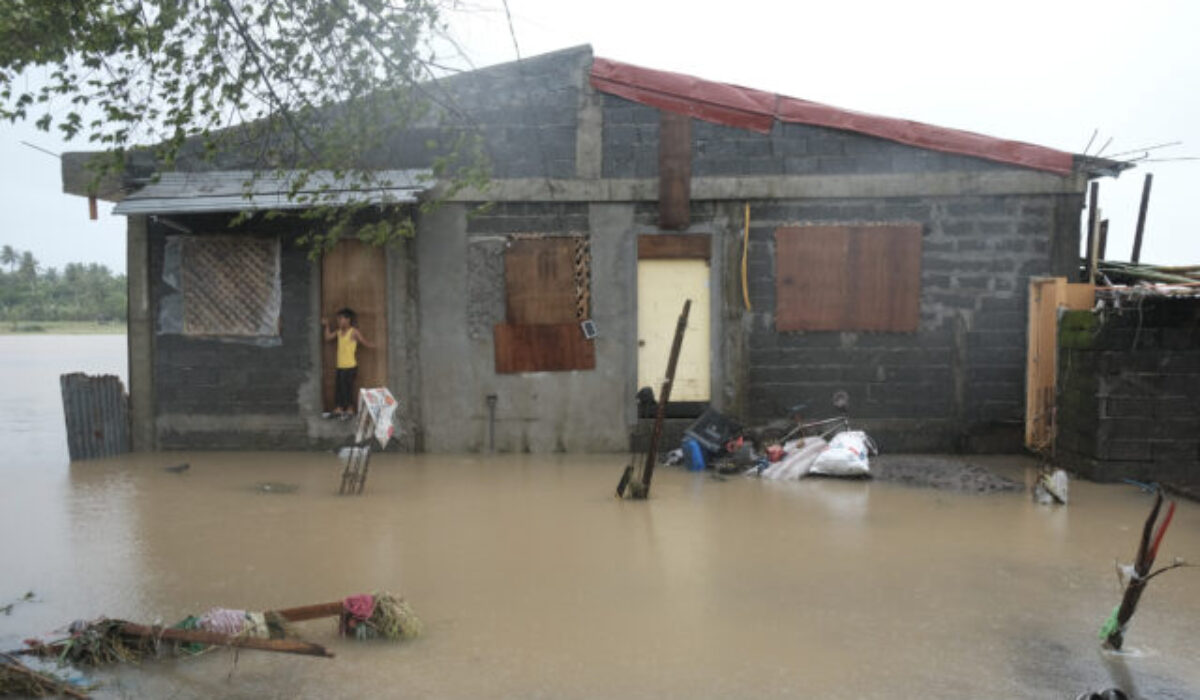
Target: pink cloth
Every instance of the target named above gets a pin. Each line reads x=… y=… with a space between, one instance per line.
x=360 y=606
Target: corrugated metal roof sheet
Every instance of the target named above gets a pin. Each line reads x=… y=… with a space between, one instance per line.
x=746 y=108
x=240 y=190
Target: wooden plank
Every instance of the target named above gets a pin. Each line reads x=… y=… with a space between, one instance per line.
x=539 y=278
x=674 y=246
x=1090 y=247
x=1046 y=296
x=883 y=292
x=810 y=278
x=1141 y=221
x=354 y=275
x=674 y=170
x=542 y=348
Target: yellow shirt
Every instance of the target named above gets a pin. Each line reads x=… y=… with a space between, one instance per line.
x=347 y=347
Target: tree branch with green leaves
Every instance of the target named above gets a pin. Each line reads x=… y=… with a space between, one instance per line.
x=272 y=86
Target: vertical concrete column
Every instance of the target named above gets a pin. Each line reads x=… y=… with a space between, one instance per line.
x=404 y=377
x=588 y=125
x=140 y=336
x=614 y=308
x=447 y=399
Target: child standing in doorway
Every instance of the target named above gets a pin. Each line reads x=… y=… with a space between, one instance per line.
x=348 y=338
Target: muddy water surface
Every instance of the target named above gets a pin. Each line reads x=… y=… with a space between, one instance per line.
x=533 y=581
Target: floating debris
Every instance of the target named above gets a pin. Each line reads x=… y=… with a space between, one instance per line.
x=275 y=487
x=379 y=616
x=108 y=641
x=27 y=598
x=18 y=679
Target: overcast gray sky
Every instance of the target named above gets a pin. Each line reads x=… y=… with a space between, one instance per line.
x=1048 y=72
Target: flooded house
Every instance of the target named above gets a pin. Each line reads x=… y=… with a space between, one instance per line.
x=823 y=249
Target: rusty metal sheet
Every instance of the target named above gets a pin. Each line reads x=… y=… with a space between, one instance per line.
x=96 y=409
x=746 y=108
x=674 y=170
x=540 y=281
x=230 y=285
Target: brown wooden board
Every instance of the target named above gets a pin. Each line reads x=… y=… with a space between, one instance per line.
x=848 y=278
x=810 y=278
x=354 y=274
x=1046 y=296
x=674 y=170
x=883 y=290
x=539 y=278
x=674 y=246
x=542 y=348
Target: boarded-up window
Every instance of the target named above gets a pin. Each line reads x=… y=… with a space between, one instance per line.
x=221 y=286
x=848 y=278
x=547 y=295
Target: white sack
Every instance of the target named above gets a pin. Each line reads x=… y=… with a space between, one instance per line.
x=846 y=456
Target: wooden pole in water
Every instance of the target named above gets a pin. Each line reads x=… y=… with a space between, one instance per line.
x=311 y=612
x=664 y=397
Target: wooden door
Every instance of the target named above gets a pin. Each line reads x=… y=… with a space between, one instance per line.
x=354 y=275
x=663 y=286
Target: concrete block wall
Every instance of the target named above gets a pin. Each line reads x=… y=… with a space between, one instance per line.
x=1128 y=383
x=631 y=149
x=526 y=113
x=958 y=382
x=214 y=393
x=461 y=292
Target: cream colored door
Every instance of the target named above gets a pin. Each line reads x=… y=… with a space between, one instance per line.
x=663 y=286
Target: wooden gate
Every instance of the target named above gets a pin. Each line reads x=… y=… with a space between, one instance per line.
x=354 y=275
x=1046 y=296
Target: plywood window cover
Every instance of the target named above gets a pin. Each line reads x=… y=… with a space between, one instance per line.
x=547 y=295
x=547 y=279
x=230 y=286
x=542 y=348
x=848 y=277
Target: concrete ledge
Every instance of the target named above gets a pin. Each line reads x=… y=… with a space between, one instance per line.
x=946 y=184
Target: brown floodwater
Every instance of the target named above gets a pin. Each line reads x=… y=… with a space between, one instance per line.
x=533 y=581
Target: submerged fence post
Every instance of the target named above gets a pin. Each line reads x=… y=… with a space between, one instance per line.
x=97 y=415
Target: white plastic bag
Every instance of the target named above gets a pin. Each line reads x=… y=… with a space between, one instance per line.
x=797 y=460
x=846 y=456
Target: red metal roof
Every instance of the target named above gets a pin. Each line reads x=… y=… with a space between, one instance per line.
x=746 y=108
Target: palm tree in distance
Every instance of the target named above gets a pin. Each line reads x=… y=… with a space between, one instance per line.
x=8 y=256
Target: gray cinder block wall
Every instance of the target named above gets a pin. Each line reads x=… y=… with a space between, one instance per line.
x=958 y=382
x=1128 y=383
x=226 y=394
x=568 y=160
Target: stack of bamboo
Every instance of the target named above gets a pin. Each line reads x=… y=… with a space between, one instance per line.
x=1133 y=273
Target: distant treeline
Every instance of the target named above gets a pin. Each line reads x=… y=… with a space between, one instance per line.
x=79 y=292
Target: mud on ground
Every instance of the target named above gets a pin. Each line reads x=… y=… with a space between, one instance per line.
x=941 y=472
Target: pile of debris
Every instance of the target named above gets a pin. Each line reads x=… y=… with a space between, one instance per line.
x=105 y=641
